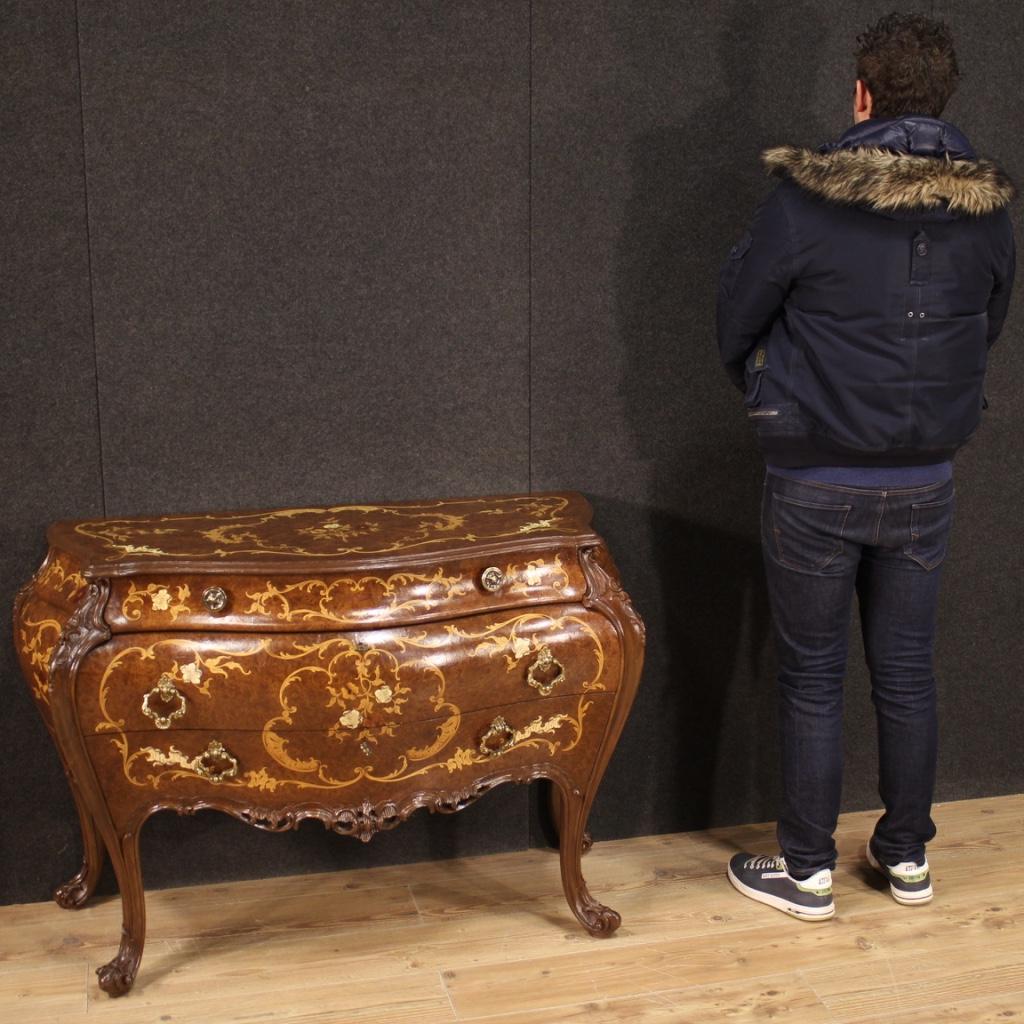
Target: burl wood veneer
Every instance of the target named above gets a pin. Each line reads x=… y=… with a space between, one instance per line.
x=348 y=664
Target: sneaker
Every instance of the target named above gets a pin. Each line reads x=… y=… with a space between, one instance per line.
x=766 y=880
x=910 y=883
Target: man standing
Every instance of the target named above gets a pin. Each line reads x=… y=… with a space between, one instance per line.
x=855 y=315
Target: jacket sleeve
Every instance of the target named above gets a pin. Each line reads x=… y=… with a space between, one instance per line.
x=753 y=284
x=999 y=299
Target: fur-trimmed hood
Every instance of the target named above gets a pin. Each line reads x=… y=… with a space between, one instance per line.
x=889 y=181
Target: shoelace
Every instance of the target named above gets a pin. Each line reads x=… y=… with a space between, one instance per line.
x=772 y=863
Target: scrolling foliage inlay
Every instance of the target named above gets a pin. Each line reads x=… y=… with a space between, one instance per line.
x=36 y=639
x=314 y=599
x=330 y=532
x=41 y=611
x=365 y=689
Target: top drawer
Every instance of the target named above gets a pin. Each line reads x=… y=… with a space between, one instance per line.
x=346 y=600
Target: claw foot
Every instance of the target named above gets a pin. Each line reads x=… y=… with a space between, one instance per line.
x=118 y=976
x=73 y=894
x=599 y=920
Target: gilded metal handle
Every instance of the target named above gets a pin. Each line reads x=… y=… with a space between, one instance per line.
x=215 y=752
x=544 y=661
x=499 y=730
x=215 y=598
x=166 y=692
x=492 y=578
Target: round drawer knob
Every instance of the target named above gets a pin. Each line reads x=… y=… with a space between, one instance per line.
x=492 y=578
x=215 y=598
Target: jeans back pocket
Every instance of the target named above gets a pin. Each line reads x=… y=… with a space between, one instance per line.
x=807 y=535
x=930 y=523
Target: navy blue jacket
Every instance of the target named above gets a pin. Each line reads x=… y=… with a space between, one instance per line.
x=857 y=311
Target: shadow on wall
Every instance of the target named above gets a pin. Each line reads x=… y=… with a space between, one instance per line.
x=703 y=727
x=695 y=184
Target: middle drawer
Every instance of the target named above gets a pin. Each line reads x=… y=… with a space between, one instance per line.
x=360 y=683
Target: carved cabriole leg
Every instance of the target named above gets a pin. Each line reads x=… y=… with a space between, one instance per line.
x=557 y=811
x=570 y=805
x=118 y=976
x=73 y=894
x=85 y=630
x=595 y=917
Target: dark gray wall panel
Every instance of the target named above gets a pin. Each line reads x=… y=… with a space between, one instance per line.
x=310 y=244
x=647 y=124
x=49 y=458
x=981 y=650
x=310 y=247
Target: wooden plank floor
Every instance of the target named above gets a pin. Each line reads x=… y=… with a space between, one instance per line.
x=491 y=938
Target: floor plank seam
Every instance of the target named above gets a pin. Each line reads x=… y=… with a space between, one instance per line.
x=85 y=988
x=421 y=917
x=447 y=992
x=801 y=974
x=895 y=984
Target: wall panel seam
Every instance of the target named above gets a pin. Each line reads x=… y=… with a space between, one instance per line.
x=529 y=259
x=88 y=252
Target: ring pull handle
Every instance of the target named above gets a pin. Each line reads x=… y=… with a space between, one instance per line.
x=499 y=737
x=165 y=693
x=544 y=663
x=215 y=763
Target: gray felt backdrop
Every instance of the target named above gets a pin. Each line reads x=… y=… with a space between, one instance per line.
x=258 y=253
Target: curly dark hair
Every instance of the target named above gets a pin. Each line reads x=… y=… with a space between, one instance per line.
x=908 y=63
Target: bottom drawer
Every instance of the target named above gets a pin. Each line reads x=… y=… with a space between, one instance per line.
x=138 y=770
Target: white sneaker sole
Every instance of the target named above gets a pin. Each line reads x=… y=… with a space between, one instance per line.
x=904 y=899
x=793 y=909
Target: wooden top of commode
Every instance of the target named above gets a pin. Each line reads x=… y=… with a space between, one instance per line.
x=336 y=536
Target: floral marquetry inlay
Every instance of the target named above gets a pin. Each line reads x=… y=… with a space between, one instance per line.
x=329 y=532
x=317 y=599
x=539 y=572
x=57 y=577
x=357 y=695
x=155 y=597
x=37 y=638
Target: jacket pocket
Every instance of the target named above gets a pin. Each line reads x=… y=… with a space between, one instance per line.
x=757 y=363
x=753 y=392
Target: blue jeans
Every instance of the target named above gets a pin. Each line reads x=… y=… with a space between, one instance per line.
x=821 y=543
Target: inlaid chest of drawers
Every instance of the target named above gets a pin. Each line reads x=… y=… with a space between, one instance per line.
x=349 y=664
